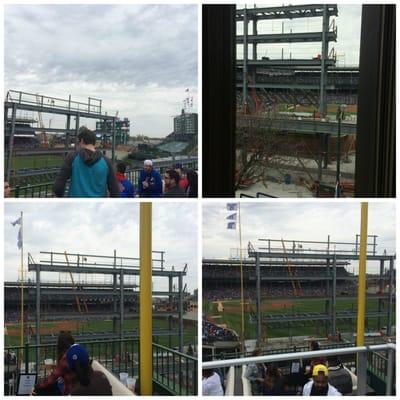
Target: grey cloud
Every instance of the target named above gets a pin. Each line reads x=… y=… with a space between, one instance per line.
x=89 y=43
x=138 y=59
x=99 y=229
x=307 y=221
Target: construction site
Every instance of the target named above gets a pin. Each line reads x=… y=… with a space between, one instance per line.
x=296 y=114
x=284 y=301
x=282 y=281
x=35 y=149
x=99 y=300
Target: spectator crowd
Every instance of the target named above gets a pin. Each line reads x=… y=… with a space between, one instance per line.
x=213 y=332
x=319 y=376
x=280 y=290
x=87 y=172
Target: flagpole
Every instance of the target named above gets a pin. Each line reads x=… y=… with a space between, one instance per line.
x=241 y=278
x=22 y=280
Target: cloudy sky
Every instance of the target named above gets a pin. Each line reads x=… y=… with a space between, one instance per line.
x=295 y=221
x=99 y=228
x=347 y=46
x=139 y=59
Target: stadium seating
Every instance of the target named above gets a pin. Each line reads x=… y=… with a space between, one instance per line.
x=212 y=333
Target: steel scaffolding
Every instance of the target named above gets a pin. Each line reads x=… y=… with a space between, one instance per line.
x=119 y=269
x=17 y=100
x=331 y=253
x=325 y=36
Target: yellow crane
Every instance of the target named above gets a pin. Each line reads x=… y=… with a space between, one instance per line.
x=43 y=135
x=77 y=299
x=295 y=282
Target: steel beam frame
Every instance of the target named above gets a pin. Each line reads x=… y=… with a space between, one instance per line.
x=307 y=37
x=326 y=38
x=118 y=293
x=332 y=259
x=286 y=12
x=290 y=12
x=292 y=64
x=18 y=104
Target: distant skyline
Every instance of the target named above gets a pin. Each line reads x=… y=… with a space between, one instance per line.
x=139 y=59
x=347 y=46
x=100 y=228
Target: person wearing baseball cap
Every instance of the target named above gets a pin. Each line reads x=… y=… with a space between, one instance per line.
x=149 y=182
x=88 y=381
x=319 y=385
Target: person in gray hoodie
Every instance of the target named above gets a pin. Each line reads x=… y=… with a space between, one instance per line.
x=91 y=174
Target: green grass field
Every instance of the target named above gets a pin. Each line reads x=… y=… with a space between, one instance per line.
x=190 y=332
x=233 y=318
x=331 y=109
x=38 y=161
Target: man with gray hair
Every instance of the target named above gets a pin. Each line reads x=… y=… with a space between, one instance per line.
x=149 y=183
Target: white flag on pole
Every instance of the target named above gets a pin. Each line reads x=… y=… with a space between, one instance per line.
x=19 y=237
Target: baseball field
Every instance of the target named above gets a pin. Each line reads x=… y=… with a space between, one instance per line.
x=228 y=313
x=37 y=161
x=331 y=108
x=12 y=335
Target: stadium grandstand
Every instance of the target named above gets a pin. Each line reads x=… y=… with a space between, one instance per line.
x=295 y=88
x=270 y=307
x=25 y=135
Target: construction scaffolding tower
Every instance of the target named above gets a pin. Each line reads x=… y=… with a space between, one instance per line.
x=119 y=269
x=332 y=253
x=327 y=34
x=17 y=100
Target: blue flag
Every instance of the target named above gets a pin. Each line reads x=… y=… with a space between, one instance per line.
x=231 y=206
x=232 y=217
x=17 y=222
x=231 y=225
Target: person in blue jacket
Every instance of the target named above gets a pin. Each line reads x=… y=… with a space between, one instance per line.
x=149 y=182
x=126 y=187
x=91 y=174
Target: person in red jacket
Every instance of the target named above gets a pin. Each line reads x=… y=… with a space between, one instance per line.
x=183 y=181
x=60 y=381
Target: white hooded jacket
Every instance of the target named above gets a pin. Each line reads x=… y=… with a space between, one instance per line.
x=332 y=391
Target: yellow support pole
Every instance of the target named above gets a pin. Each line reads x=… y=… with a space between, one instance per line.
x=22 y=282
x=362 y=275
x=145 y=316
x=241 y=282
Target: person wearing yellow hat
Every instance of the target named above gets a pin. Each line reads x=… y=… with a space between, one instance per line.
x=319 y=385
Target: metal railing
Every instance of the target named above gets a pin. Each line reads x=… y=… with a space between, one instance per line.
x=300 y=246
x=77 y=260
x=93 y=105
x=258 y=195
x=175 y=372
x=281 y=350
x=39 y=190
x=116 y=355
x=367 y=356
x=46 y=189
x=378 y=365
